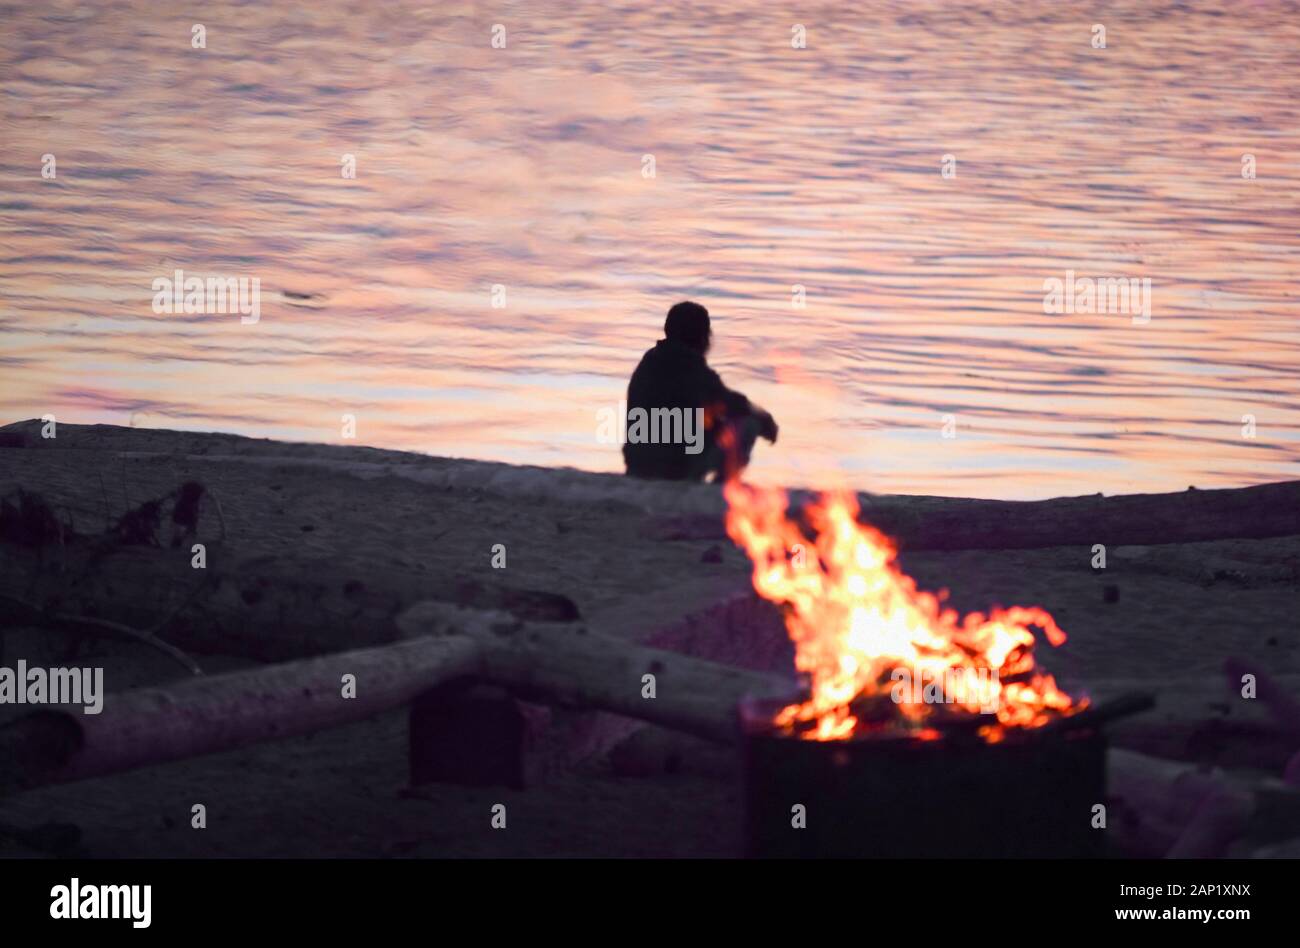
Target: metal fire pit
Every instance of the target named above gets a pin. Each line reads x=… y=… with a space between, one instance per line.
x=1032 y=795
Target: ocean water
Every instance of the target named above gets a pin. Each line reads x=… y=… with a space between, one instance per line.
x=919 y=357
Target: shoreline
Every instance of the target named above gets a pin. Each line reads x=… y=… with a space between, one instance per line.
x=505 y=478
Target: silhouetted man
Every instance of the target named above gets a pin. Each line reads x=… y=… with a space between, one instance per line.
x=682 y=422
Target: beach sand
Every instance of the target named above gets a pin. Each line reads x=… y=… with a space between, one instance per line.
x=1172 y=615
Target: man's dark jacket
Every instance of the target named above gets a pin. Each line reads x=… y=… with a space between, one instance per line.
x=673 y=375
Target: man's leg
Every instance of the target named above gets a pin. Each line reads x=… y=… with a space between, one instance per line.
x=700 y=466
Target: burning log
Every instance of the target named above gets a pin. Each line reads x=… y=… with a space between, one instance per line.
x=862 y=631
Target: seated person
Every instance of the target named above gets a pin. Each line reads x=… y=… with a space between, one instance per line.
x=675 y=375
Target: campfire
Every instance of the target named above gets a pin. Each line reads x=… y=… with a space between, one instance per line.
x=881 y=657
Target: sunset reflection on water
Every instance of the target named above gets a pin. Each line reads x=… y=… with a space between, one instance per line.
x=774 y=167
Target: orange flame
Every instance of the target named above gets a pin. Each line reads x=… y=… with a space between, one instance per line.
x=880 y=654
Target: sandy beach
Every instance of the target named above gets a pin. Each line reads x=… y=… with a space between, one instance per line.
x=1159 y=617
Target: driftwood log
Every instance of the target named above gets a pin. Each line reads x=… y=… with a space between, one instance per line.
x=1182 y=810
x=560 y=663
x=944 y=523
x=570 y=665
x=265 y=608
x=209 y=714
x=1205 y=720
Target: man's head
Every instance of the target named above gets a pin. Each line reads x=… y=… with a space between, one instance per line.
x=688 y=323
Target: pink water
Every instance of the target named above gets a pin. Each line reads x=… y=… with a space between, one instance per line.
x=774 y=166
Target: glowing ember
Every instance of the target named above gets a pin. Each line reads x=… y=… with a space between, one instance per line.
x=881 y=655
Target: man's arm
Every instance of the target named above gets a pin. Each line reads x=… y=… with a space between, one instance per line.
x=734 y=404
x=737 y=405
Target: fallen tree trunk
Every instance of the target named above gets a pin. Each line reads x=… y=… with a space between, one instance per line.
x=1186 y=811
x=209 y=714
x=562 y=664
x=1267 y=510
x=943 y=523
x=266 y=608
x=568 y=665
x=1204 y=719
